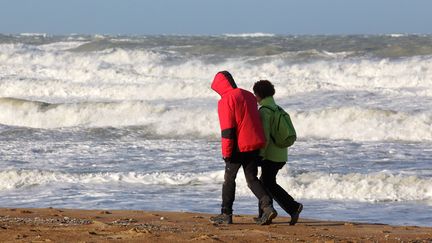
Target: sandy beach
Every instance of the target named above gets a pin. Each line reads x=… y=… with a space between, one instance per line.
x=70 y=225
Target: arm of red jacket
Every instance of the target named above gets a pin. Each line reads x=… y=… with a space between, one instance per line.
x=228 y=127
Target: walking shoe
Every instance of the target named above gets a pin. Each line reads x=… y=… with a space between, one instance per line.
x=256 y=219
x=267 y=217
x=295 y=216
x=222 y=218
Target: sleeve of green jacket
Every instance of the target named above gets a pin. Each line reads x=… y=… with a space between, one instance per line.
x=266 y=115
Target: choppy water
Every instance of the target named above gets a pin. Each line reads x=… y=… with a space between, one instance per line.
x=122 y=122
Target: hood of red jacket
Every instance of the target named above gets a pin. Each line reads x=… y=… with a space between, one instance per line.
x=223 y=82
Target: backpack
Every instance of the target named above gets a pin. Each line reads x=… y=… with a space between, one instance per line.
x=282 y=131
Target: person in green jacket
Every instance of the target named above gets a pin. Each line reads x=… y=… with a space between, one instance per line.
x=273 y=157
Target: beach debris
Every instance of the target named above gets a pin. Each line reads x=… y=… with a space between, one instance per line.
x=145 y=227
x=21 y=236
x=124 y=222
x=136 y=230
x=26 y=211
x=65 y=221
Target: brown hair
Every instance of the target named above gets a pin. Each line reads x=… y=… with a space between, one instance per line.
x=263 y=89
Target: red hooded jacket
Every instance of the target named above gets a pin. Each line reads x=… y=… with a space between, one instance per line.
x=238 y=116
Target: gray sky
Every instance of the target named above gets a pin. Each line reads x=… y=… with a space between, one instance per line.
x=216 y=16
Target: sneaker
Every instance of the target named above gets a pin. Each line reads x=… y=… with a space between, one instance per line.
x=257 y=220
x=267 y=217
x=295 y=216
x=222 y=219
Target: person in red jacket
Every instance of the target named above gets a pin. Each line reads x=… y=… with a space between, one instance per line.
x=242 y=137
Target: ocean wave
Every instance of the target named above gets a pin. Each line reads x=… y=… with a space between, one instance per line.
x=258 y=34
x=364 y=124
x=381 y=46
x=27 y=63
x=165 y=121
x=162 y=89
x=352 y=123
x=374 y=187
x=44 y=35
x=40 y=72
x=15 y=179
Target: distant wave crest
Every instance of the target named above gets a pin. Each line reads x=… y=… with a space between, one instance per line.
x=258 y=34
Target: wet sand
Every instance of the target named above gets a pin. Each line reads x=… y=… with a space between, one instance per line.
x=66 y=225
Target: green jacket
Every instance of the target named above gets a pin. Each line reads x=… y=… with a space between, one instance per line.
x=270 y=151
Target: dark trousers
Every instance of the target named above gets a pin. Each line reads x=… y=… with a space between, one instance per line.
x=269 y=170
x=249 y=162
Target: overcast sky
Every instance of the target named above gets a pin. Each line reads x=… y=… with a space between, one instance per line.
x=200 y=17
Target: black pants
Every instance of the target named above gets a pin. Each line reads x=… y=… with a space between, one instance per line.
x=249 y=162
x=269 y=170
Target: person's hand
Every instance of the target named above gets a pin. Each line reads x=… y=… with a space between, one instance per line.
x=227 y=159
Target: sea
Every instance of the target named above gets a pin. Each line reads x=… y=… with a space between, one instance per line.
x=130 y=122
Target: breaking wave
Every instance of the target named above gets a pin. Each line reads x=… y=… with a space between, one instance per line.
x=355 y=123
x=375 y=187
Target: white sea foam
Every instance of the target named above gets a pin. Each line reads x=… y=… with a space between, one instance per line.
x=61 y=46
x=14 y=179
x=162 y=120
x=363 y=124
x=258 y=34
x=127 y=87
x=397 y=35
x=362 y=187
x=44 y=35
x=48 y=72
x=313 y=185
x=354 y=123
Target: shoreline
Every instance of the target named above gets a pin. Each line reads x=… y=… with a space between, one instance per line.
x=78 y=225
